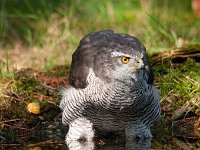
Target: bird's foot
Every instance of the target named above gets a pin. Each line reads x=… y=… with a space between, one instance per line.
x=139 y=132
x=81 y=129
x=77 y=145
x=138 y=137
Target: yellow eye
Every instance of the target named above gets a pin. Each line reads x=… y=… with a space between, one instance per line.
x=125 y=59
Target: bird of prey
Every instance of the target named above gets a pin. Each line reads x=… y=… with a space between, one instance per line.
x=111 y=88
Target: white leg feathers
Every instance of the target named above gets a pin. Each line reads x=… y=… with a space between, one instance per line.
x=80 y=129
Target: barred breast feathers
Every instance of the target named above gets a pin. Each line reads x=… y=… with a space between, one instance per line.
x=95 y=85
x=108 y=96
x=74 y=101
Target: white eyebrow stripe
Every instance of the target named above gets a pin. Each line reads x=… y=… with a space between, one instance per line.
x=115 y=54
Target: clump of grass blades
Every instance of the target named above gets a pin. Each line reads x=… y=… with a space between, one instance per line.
x=178 y=85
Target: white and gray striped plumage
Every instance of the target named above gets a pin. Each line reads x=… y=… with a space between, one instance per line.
x=107 y=94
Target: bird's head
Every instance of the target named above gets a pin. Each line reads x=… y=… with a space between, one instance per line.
x=112 y=57
x=127 y=67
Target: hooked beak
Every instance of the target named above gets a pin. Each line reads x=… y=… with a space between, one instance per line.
x=138 y=63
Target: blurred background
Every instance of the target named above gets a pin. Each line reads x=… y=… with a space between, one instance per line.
x=40 y=34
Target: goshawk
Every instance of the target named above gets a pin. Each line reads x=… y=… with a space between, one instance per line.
x=111 y=88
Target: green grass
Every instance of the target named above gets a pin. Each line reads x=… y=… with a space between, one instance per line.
x=182 y=83
x=158 y=21
x=57 y=26
x=54 y=28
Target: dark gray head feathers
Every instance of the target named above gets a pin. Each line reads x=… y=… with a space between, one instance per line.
x=94 y=52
